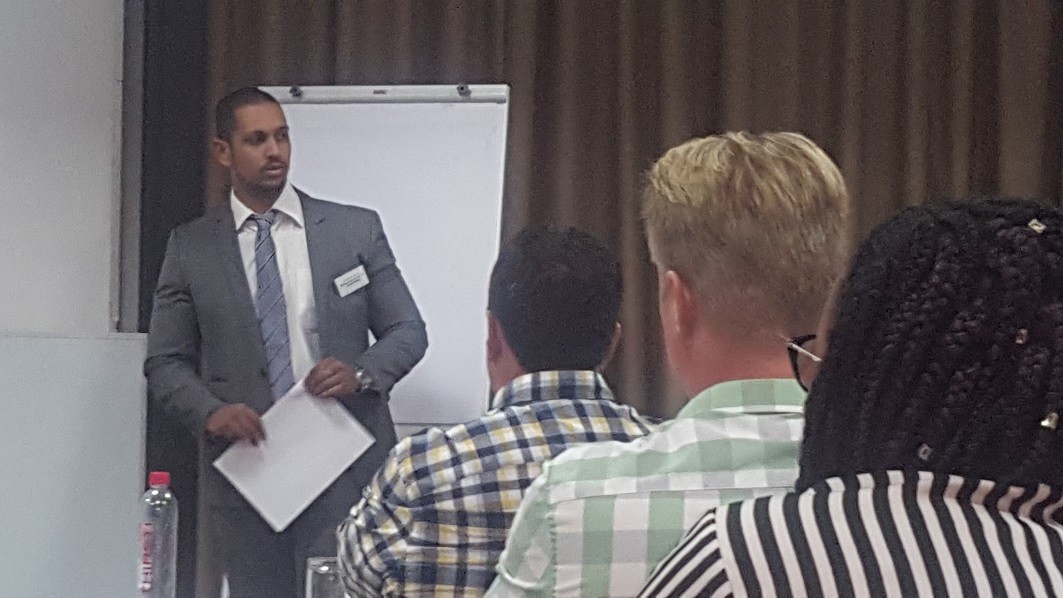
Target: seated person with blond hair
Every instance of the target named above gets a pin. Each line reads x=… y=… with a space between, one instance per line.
x=932 y=461
x=747 y=232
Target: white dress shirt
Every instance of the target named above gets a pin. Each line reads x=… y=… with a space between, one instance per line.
x=293 y=261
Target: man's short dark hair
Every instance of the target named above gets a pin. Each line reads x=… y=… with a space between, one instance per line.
x=556 y=294
x=225 y=111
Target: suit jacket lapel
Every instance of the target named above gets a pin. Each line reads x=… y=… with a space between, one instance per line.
x=228 y=251
x=319 y=247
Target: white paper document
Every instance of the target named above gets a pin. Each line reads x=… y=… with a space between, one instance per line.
x=309 y=443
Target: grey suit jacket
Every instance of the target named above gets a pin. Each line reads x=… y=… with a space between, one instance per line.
x=204 y=344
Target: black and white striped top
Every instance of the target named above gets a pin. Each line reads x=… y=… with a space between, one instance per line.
x=884 y=534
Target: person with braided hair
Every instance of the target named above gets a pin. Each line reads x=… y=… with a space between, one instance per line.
x=932 y=460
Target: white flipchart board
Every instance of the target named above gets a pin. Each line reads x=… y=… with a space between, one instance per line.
x=430 y=160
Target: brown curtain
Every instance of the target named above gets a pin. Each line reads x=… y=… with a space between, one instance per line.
x=915 y=99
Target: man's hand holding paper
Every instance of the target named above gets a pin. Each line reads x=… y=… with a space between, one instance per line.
x=309 y=442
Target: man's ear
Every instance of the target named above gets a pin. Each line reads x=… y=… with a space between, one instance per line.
x=610 y=351
x=495 y=340
x=222 y=151
x=681 y=304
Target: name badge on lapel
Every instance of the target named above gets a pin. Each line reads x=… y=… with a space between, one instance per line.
x=351 y=281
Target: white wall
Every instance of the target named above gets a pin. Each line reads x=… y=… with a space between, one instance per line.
x=71 y=394
x=60 y=109
x=71 y=466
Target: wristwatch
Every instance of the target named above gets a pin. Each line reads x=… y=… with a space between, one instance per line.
x=364 y=380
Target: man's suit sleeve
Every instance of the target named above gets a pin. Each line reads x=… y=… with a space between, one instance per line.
x=172 y=362
x=396 y=323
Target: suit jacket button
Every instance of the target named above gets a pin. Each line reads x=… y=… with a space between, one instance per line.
x=264 y=372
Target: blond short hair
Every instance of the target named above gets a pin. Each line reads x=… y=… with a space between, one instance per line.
x=761 y=220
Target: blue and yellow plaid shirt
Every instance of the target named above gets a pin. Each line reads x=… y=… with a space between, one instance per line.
x=434 y=519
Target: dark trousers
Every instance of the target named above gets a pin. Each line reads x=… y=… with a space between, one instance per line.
x=261 y=563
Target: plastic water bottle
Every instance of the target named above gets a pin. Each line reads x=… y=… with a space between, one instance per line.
x=158 y=539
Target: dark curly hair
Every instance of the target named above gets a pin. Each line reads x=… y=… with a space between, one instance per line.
x=556 y=293
x=947 y=350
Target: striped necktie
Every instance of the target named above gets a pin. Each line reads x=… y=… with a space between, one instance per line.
x=271 y=309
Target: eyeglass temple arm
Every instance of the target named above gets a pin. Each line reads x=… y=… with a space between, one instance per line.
x=803 y=351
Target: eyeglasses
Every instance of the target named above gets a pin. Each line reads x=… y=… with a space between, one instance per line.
x=795 y=347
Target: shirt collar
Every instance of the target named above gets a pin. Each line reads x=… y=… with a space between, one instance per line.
x=569 y=385
x=287 y=203
x=771 y=395
x=1038 y=501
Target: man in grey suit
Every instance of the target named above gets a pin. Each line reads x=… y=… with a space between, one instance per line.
x=261 y=292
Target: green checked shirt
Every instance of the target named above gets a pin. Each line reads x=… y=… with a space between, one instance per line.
x=601 y=516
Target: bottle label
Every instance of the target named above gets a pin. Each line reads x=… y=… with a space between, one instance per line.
x=147 y=537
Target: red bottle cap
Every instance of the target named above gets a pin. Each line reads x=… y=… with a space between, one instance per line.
x=159 y=478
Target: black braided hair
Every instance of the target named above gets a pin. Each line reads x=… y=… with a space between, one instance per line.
x=947 y=349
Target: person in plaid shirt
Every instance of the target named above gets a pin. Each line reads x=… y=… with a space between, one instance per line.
x=433 y=520
x=748 y=233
